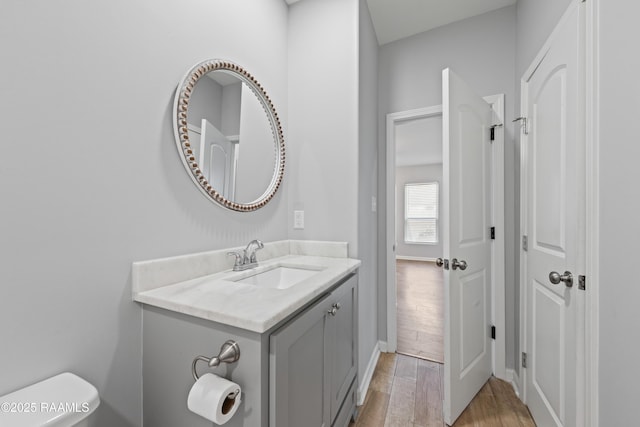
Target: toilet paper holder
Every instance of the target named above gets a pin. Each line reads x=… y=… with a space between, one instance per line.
x=229 y=353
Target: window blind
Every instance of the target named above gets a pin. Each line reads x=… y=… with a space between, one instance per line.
x=421 y=213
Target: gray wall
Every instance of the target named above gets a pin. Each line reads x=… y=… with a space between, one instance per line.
x=232 y=111
x=206 y=103
x=367 y=187
x=323 y=119
x=88 y=89
x=220 y=105
x=256 y=154
x=481 y=51
x=333 y=155
x=412 y=175
x=535 y=21
x=619 y=213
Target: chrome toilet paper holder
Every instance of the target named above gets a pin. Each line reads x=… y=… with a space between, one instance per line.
x=229 y=353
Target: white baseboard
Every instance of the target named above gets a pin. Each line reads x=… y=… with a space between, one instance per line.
x=383 y=346
x=513 y=378
x=415 y=258
x=368 y=374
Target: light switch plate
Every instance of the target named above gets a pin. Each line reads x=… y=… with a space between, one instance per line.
x=298 y=220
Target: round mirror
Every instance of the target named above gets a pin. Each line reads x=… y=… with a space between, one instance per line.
x=228 y=135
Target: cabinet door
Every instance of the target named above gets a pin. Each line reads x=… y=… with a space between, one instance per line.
x=343 y=343
x=299 y=392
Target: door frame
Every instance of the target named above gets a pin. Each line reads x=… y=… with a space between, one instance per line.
x=592 y=218
x=588 y=351
x=497 y=213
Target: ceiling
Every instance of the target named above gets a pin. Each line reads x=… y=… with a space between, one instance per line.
x=396 y=19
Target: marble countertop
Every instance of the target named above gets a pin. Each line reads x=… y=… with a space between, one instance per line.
x=219 y=298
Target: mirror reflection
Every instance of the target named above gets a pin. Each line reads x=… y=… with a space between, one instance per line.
x=231 y=137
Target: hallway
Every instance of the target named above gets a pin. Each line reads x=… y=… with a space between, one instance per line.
x=407 y=392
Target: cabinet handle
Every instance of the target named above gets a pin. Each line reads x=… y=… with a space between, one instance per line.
x=334 y=309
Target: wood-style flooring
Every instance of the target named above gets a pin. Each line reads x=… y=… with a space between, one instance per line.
x=407 y=392
x=420 y=309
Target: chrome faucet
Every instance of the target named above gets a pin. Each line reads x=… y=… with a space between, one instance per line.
x=246 y=258
x=250 y=250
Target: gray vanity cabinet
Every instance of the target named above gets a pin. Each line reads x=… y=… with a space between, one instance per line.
x=343 y=344
x=312 y=362
x=300 y=373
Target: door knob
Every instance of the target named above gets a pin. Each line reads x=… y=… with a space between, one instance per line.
x=567 y=278
x=442 y=262
x=455 y=264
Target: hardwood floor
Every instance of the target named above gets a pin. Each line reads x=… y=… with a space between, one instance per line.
x=420 y=309
x=407 y=392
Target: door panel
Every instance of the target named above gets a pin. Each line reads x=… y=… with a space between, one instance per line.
x=549 y=155
x=466 y=195
x=472 y=177
x=298 y=383
x=548 y=346
x=218 y=159
x=555 y=185
x=474 y=318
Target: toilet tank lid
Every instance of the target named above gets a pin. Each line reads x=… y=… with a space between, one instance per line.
x=61 y=400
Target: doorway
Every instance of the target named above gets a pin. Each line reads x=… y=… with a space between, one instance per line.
x=420 y=297
x=473 y=164
x=497 y=183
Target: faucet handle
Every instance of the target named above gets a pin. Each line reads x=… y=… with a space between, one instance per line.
x=239 y=258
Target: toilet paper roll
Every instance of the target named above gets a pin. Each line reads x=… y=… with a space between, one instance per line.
x=214 y=398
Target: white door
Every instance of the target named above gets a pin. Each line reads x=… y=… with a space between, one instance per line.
x=554 y=184
x=466 y=223
x=217 y=159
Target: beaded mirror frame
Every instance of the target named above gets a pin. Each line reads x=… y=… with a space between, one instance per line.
x=184 y=145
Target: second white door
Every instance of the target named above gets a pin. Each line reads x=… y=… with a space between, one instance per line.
x=554 y=203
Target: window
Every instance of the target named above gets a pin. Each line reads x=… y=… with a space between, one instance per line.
x=421 y=213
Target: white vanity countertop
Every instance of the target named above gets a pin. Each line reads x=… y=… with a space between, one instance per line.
x=218 y=298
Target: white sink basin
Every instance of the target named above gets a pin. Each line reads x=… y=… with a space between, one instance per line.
x=279 y=277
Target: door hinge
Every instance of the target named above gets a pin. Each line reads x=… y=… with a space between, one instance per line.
x=582 y=283
x=492 y=233
x=524 y=359
x=525 y=130
x=525 y=243
x=492 y=131
x=493 y=332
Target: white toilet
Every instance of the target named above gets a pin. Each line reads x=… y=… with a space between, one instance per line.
x=62 y=401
